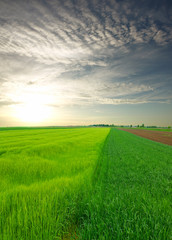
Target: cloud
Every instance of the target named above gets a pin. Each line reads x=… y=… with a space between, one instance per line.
x=7 y=102
x=85 y=52
x=53 y=32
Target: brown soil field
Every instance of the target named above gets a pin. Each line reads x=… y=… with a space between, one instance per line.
x=158 y=136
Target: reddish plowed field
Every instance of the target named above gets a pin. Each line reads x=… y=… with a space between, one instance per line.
x=158 y=136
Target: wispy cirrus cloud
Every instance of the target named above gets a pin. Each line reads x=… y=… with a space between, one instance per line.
x=54 y=32
x=86 y=52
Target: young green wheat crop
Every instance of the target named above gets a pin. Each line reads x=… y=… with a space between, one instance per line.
x=83 y=183
x=131 y=198
x=42 y=176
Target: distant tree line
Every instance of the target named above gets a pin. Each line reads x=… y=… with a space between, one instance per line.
x=102 y=125
x=131 y=126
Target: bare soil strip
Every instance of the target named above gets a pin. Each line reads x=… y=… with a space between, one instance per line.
x=158 y=136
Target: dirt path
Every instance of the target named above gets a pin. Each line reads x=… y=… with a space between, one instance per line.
x=158 y=136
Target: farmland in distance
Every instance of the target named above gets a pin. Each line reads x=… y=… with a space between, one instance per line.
x=158 y=136
x=88 y=183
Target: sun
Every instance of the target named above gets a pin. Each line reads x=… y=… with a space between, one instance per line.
x=33 y=109
x=32 y=113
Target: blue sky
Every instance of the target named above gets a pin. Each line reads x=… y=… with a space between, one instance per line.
x=85 y=62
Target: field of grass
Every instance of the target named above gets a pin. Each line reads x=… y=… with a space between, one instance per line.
x=89 y=182
x=132 y=191
x=42 y=176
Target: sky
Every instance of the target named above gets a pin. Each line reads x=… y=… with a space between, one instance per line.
x=85 y=62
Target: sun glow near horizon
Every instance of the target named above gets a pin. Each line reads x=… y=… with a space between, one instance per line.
x=31 y=113
x=34 y=108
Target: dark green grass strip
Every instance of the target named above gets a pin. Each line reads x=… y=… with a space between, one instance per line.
x=148 y=128
x=39 y=128
x=131 y=196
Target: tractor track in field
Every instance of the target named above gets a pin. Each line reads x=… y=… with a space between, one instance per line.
x=158 y=136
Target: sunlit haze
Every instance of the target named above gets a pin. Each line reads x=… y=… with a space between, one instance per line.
x=85 y=62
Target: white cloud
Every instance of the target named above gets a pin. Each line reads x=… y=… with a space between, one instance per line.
x=40 y=43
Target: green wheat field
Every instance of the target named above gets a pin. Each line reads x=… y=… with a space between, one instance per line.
x=83 y=183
